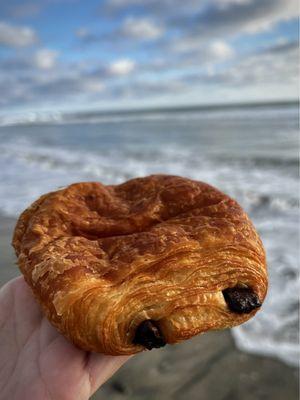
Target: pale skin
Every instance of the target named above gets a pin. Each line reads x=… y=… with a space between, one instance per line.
x=37 y=362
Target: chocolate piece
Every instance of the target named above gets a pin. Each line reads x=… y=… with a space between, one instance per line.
x=241 y=300
x=149 y=335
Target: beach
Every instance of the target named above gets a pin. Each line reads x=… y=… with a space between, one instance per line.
x=250 y=153
x=208 y=366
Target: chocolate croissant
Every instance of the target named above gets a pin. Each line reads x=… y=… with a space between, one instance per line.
x=155 y=260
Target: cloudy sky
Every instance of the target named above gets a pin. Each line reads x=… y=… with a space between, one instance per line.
x=72 y=54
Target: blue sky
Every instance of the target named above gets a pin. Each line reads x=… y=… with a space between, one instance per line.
x=71 y=54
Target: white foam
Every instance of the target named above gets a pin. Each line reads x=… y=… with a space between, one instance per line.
x=33 y=169
x=262 y=344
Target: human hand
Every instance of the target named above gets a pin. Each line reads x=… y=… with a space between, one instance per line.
x=36 y=361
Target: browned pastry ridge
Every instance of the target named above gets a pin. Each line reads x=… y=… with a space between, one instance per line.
x=154 y=260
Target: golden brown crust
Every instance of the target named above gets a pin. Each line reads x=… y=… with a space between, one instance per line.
x=102 y=259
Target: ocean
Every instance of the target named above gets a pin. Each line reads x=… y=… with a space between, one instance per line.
x=251 y=153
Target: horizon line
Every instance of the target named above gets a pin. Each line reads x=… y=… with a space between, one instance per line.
x=44 y=116
x=183 y=107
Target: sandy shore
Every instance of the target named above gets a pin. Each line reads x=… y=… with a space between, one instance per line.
x=207 y=367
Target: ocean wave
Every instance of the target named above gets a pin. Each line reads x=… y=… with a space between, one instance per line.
x=262 y=344
x=278 y=162
x=269 y=112
x=274 y=330
x=29 y=163
x=29 y=168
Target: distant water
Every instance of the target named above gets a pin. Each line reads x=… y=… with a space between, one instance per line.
x=250 y=153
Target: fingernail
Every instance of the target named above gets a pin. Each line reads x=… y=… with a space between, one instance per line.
x=241 y=300
x=149 y=335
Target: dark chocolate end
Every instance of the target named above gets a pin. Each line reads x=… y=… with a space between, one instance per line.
x=149 y=335
x=241 y=300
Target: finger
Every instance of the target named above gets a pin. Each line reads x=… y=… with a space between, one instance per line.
x=102 y=367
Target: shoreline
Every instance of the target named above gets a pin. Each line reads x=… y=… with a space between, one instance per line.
x=208 y=366
x=59 y=116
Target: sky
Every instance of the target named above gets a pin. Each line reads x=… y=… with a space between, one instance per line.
x=68 y=55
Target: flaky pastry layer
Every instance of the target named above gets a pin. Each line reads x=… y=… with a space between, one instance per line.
x=102 y=259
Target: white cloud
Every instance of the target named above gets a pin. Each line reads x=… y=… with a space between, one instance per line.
x=214 y=17
x=277 y=65
x=215 y=51
x=283 y=10
x=16 y=36
x=142 y=28
x=221 y=50
x=269 y=73
x=235 y=17
x=121 y=67
x=45 y=58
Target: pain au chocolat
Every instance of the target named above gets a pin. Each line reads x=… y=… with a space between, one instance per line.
x=155 y=260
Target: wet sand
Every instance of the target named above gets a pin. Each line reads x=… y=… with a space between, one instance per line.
x=207 y=367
